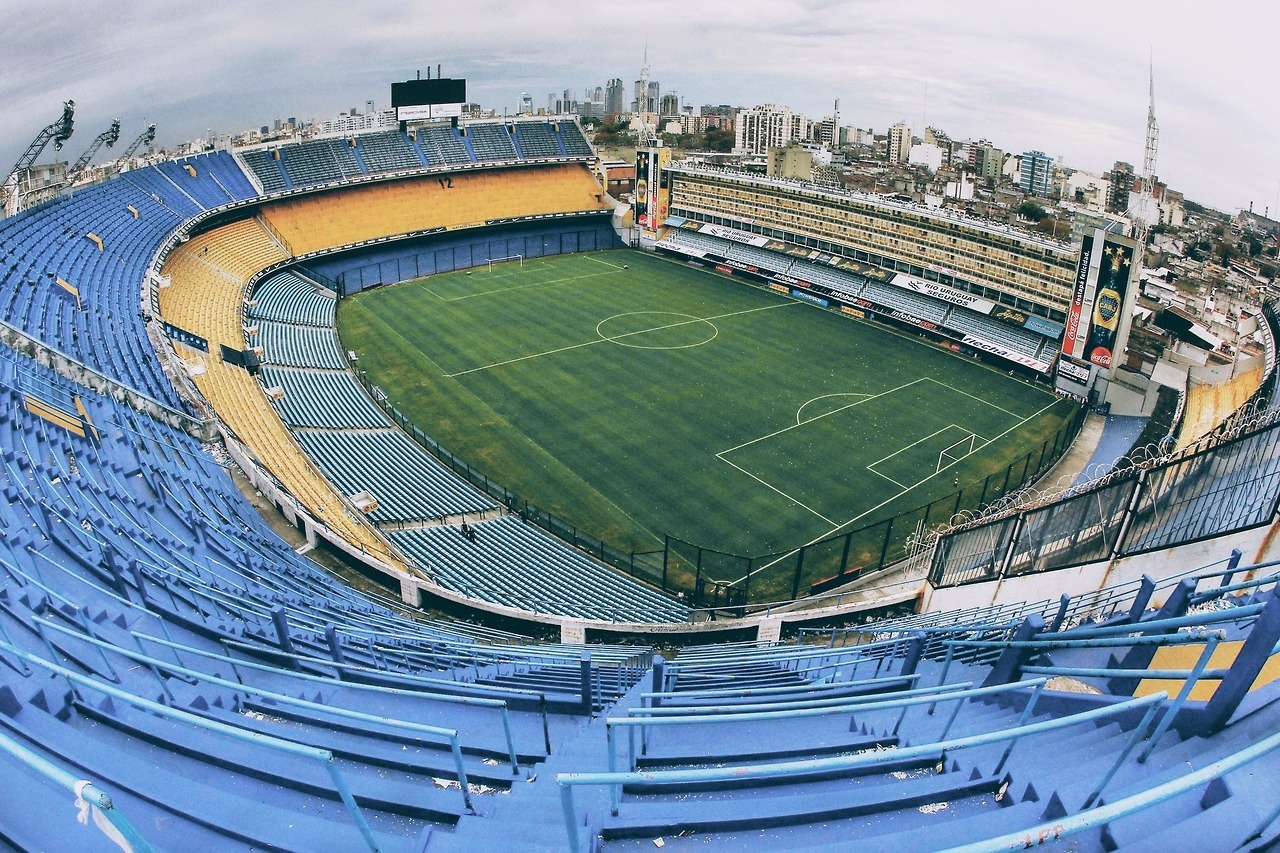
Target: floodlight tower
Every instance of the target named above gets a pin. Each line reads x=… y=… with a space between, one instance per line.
x=56 y=132
x=1153 y=136
x=144 y=139
x=1144 y=210
x=108 y=137
x=646 y=134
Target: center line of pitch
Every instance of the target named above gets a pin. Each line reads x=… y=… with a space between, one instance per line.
x=616 y=337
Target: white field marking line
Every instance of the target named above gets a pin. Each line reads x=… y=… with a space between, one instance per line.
x=606 y=263
x=784 y=494
x=905 y=448
x=819 y=417
x=602 y=340
x=865 y=513
x=974 y=397
x=823 y=397
x=887 y=477
x=554 y=281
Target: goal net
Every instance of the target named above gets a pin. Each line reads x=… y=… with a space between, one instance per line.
x=506 y=260
x=957 y=451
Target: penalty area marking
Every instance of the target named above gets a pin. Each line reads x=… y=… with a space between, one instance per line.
x=757 y=570
x=606 y=263
x=800 y=421
x=776 y=489
x=969 y=435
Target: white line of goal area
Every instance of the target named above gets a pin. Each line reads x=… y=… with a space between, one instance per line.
x=492 y=261
x=837 y=528
x=971 y=438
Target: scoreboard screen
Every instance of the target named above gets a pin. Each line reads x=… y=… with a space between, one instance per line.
x=418 y=100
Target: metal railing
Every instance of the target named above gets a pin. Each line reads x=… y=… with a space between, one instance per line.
x=325 y=757
x=655 y=699
x=1102 y=815
x=155 y=665
x=616 y=779
x=88 y=796
x=240 y=684
x=1190 y=677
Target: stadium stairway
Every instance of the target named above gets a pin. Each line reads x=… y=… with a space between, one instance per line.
x=533 y=804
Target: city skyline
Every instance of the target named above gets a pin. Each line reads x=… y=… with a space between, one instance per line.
x=1073 y=85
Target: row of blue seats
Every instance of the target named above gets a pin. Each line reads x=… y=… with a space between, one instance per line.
x=407 y=482
x=330 y=399
x=130 y=569
x=295 y=345
x=321 y=161
x=290 y=298
x=511 y=563
x=101 y=323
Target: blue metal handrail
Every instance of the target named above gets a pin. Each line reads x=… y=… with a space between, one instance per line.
x=1052 y=641
x=1220 y=591
x=86 y=792
x=792 y=704
x=1098 y=816
x=746 y=692
x=324 y=756
x=1115 y=597
x=241 y=686
x=938 y=619
x=155 y=665
x=512 y=692
x=958 y=692
x=709 y=670
x=1172 y=624
x=615 y=779
x=779 y=653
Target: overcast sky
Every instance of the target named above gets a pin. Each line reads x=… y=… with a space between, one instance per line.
x=1068 y=79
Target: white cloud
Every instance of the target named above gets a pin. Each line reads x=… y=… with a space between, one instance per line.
x=1070 y=80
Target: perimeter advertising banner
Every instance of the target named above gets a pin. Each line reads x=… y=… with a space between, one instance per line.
x=1102 y=283
x=944 y=293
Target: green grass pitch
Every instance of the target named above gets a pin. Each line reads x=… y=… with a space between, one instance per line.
x=635 y=396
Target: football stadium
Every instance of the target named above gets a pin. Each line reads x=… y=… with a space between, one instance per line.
x=405 y=490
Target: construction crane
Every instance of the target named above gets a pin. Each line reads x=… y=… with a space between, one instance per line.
x=108 y=137
x=58 y=132
x=147 y=137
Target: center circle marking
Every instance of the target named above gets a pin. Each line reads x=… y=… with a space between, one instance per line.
x=669 y=320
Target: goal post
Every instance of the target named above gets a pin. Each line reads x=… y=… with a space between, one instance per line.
x=957 y=451
x=507 y=259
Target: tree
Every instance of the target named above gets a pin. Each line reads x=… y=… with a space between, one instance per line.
x=1053 y=227
x=1031 y=210
x=1226 y=252
x=611 y=133
x=718 y=139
